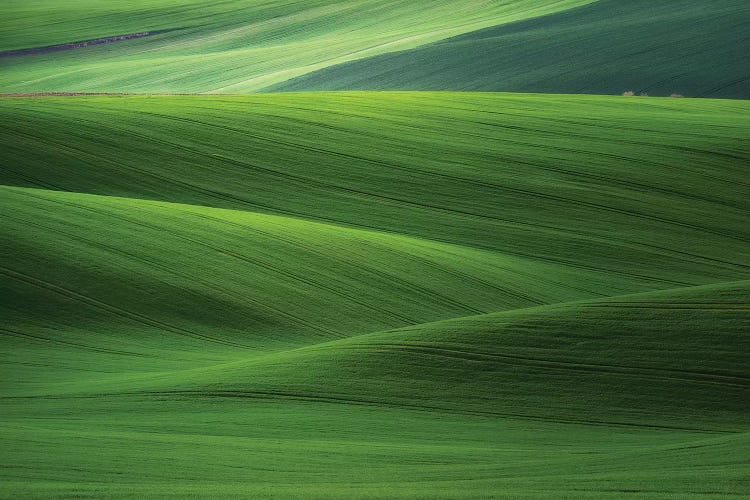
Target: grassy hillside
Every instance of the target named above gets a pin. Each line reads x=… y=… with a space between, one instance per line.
x=635 y=396
x=231 y=46
x=357 y=295
x=688 y=47
x=583 y=182
x=214 y=275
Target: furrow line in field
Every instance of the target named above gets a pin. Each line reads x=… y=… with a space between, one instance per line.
x=44 y=340
x=506 y=290
x=675 y=307
x=329 y=399
x=323 y=398
x=117 y=311
x=702 y=377
x=433 y=295
x=360 y=268
x=437 y=123
x=451 y=177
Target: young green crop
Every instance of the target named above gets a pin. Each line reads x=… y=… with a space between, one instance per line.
x=226 y=47
x=374 y=295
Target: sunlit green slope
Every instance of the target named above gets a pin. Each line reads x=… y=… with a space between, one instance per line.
x=232 y=46
x=636 y=396
x=689 y=47
x=672 y=358
x=629 y=188
x=121 y=273
x=360 y=295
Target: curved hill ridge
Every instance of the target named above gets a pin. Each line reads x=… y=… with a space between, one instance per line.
x=538 y=177
x=243 y=279
x=562 y=362
x=686 y=47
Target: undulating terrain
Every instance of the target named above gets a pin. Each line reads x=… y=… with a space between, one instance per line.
x=357 y=294
x=692 y=48
x=227 y=47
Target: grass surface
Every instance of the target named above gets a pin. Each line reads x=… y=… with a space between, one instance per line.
x=688 y=47
x=230 y=46
x=359 y=295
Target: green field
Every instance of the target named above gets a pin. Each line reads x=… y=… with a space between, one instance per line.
x=374 y=295
x=374 y=249
x=225 y=47
x=688 y=47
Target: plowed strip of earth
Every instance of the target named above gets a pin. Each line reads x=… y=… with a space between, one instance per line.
x=80 y=44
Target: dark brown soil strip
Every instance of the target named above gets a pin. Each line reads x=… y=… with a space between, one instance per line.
x=42 y=94
x=78 y=45
x=74 y=94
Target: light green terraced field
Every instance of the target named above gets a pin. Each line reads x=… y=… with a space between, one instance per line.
x=374 y=295
x=227 y=47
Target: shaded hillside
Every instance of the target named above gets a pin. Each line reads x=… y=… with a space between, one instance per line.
x=688 y=47
x=639 y=396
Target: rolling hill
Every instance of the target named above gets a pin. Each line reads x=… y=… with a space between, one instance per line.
x=368 y=295
x=686 y=47
x=227 y=47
